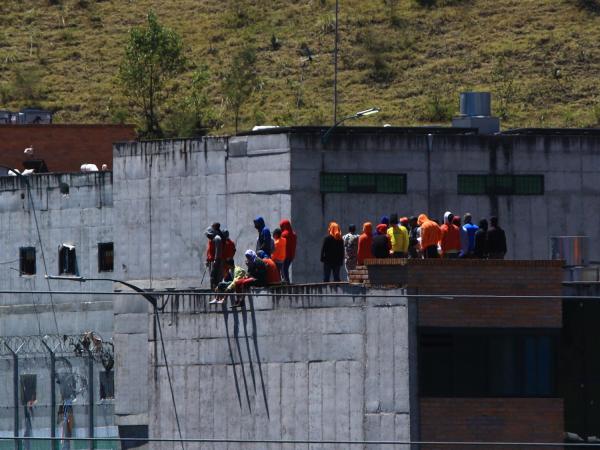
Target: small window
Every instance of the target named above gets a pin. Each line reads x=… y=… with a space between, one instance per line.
x=501 y=184
x=67 y=260
x=107 y=385
x=364 y=183
x=106 y=257
x=27 y=260
x=28 y=385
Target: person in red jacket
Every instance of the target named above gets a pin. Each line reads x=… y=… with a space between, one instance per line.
x=288 y=234
x=365 y=241
x=450 y=241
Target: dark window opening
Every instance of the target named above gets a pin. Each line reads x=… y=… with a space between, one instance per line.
x=501 y=184
x=107 y=385
x=370 y=183
x=106 y=256
x=27 y=260
x=28 y=384
x=67 y=260
x=488 y=363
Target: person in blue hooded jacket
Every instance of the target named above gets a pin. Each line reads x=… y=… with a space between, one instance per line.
x=264 y=241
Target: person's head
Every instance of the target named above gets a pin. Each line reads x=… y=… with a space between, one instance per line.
x=352 y=229
x=210 y=233
x=494 y=221
x=404 y=221
x=483 y=224
x=456 y=221
x=448 y=217
x=381 y=228
x=225 y=233
x=285 y=225
x=216 y=226
x=422 y=219
x=261 y=254
x=334 y=230
x=259 y=223
x=250 y=257
x=394 y=219
x=413 y=221
x=385 y=220
x=368 y=228
x=468 y=218
x=277 y=233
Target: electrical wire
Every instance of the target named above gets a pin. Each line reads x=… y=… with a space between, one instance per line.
x=314 y=442
x=37 y=227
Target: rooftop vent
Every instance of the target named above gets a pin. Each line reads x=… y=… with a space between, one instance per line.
x=475 y=112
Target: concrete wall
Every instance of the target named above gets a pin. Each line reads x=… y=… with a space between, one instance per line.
x=314 y=367
x=168 y=192
x=84 y=219
x=568 y=207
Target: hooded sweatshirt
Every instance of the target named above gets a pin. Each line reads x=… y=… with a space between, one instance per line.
x=215 y=245
x=398 y=235
x=365 y=241
x=332 y=251
x=288 y=234
x=264 y=241
x=381 y=243
x=450 y=240
x=430 y=231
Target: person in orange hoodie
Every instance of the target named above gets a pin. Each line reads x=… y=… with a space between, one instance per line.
x=365 y=241
x=450 y=240
x=430 y=236
x=290 y=237
x=279 y=250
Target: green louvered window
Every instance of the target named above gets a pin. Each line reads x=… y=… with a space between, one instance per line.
x=375 y=183
x=501 y=184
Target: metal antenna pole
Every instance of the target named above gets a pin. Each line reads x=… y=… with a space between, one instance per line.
x=335 y=63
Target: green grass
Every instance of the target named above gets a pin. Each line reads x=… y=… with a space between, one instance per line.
x=405 y=58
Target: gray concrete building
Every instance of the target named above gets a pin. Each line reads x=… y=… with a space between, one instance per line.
x=153 y=209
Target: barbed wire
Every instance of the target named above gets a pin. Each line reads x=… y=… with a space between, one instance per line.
x=88 y=344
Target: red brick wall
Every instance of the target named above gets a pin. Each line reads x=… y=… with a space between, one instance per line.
x=470 y=276
x=64 y=147
x=491 y=419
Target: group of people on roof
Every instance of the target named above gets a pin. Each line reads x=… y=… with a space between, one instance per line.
x=394 y=237
x=414 y=237
x=268 y=264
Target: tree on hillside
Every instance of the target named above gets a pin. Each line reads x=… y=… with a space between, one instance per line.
x=153 y=56
x=240 y=80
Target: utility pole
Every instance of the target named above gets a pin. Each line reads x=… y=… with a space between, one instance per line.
x=335 y=63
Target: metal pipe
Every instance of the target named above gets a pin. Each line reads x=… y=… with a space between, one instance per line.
x=52 y=394
x=445 y=296
x=91 y=399
x=15 y=356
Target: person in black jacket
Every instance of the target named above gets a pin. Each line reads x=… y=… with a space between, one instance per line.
x=332 y=253
x=381 y=243
x=481 y=240
x=496 y=239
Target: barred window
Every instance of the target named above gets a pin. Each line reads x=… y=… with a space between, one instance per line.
x=500 y=184
x=375 y=183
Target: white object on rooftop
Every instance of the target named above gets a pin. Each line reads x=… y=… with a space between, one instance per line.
x=263 y=127
x=28 y=151
x=386 y=125
x=28 y=172
x=104 y=167
x=89 y=168
x=13 y=172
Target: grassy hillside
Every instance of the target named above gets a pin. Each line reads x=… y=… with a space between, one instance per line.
x=540 y=58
